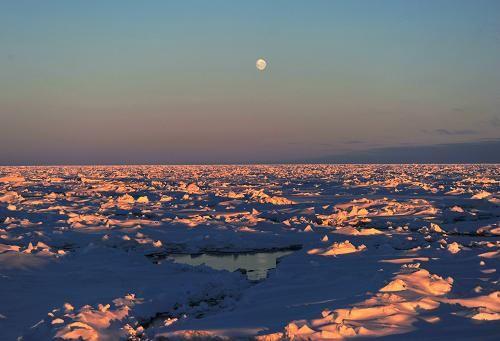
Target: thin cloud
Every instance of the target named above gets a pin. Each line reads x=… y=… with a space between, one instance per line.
x=456 y=132
x=466 y=152
x=495 y=121
x=354 y=142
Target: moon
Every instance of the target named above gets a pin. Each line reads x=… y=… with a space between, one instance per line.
x=261 y=64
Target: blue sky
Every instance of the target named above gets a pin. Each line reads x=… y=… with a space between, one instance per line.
x=175 y=81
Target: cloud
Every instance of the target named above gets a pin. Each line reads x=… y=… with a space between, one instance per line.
x=450 y=132
x=354 y=142
x=456 y=132
x=467 y=152
x=495 y=121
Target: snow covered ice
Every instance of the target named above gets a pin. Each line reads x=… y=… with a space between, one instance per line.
x=360 y=251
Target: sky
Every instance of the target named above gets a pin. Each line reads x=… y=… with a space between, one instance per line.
x=118 y=81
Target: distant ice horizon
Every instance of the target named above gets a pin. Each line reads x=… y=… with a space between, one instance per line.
x=478 y=152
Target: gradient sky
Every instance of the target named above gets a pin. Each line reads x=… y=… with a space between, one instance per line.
x=175 y=81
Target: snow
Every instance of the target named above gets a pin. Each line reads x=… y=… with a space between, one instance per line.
x=365 y=251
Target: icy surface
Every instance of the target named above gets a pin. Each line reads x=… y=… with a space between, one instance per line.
x=371 y=251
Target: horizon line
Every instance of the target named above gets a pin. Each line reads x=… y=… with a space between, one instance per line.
x=254 y=164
